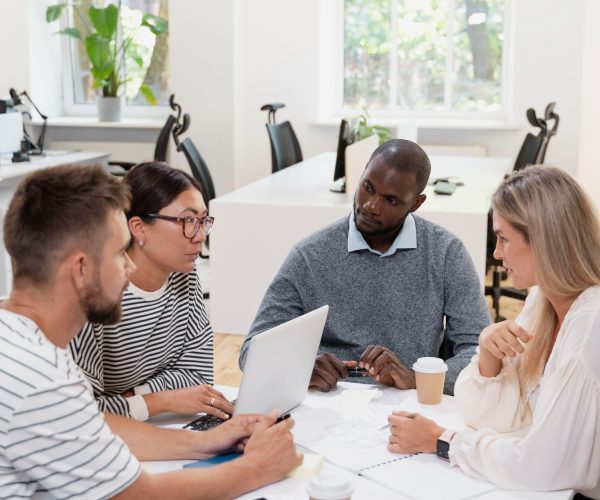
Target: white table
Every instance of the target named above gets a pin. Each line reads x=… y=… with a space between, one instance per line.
x=364 y=489
x=257 y=225
x=12 y=173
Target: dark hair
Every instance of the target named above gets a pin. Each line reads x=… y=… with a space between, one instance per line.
x=154 y=185
x=406 y=156
x=53 y=211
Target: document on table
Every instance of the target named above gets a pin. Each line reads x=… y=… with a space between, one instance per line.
x=355 y=438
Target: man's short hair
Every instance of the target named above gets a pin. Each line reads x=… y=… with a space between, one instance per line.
x=55 y=211
x=406 y=156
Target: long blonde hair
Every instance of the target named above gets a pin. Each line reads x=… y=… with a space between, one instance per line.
x=559 y=221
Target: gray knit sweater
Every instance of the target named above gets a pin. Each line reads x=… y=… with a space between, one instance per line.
x=405 y=302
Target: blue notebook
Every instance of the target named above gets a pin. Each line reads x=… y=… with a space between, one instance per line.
x=219 y=459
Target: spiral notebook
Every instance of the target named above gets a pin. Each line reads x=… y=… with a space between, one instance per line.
x=357 y=441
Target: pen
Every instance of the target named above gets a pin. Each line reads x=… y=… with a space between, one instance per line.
x=357 y=371
x=281 y=418
x=387 y=426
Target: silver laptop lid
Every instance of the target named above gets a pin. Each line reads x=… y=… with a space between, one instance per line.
x=279 y=364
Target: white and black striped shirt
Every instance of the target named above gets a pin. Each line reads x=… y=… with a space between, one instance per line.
x=164 y=341
x=53 y=439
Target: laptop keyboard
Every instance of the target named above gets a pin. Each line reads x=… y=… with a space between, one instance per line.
x=205 y=422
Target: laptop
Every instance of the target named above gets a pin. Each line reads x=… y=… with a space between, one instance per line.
x=278 y=367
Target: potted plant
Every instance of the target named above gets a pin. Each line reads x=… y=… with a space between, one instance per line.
x=365 y=128
x=108 y=51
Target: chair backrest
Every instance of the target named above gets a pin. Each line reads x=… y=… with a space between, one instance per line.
x=162 y=143
x=199 y=169
x=285 y=149
x=528 y=154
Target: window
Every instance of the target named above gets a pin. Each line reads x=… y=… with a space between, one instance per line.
x=425 y=57
x=146 y=61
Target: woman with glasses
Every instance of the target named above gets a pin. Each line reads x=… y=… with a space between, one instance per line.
x=159 y=357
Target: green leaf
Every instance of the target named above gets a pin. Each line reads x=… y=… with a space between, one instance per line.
x=105 y=20
x=139 y=60
x=101 y=57
x=148 y=94
x=156 y=24
x=73 y=32
x=53 y=12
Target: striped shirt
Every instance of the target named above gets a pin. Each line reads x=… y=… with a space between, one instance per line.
x=164 y=341
x=53 y=439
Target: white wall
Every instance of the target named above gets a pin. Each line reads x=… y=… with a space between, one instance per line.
x=589 y=146
x=230 y=57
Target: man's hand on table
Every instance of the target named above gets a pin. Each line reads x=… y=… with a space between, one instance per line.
x=385 y=367
x=328 y=370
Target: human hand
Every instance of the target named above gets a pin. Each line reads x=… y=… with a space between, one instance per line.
x=271 y=448
x=231 y=435
x=412 y=433
x=197 y=399
x=497 y=341
x=385 y=367
x=328 y=370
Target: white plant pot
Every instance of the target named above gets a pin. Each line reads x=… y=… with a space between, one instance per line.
x=110 y=109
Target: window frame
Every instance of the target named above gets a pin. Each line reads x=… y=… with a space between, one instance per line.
x=73 y=109
x=331 y=78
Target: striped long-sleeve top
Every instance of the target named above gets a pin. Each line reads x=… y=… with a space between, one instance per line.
x=53 y=439
x=164 y=341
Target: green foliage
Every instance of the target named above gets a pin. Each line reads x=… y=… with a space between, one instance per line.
x=434 y=60
x=364 y=128
x=106 y=53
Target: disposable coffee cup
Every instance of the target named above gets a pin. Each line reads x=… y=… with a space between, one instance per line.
x=430 y=374
x=329 y=487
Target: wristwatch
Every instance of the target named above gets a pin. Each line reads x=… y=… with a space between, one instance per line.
x=443 y=444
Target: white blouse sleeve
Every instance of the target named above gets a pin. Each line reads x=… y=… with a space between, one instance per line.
x=561 y=449
x=495 y=402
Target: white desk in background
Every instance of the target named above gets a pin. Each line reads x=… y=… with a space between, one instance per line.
x=455 y=485
x=257 y=225
x=12 y=173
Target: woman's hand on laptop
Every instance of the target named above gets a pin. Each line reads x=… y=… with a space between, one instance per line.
x=327 y=371
x=195 y=399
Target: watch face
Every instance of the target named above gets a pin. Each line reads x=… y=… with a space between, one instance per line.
x=443 y=447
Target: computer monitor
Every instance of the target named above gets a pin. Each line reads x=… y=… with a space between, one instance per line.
x=346 y=137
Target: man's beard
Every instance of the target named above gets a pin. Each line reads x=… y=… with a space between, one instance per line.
x=97 y=307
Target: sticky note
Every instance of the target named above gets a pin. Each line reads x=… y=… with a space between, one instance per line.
x=310 y=466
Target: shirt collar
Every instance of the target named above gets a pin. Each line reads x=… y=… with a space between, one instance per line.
x=406 y=238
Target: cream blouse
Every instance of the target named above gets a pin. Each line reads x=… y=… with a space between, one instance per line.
x=547 y=438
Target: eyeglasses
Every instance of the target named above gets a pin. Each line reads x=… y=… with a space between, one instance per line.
x=191 y=225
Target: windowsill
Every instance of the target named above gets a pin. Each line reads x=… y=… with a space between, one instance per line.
x=92 y=122
x=430 y=123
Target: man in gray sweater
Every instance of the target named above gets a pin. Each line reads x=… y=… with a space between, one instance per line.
x=396 y=284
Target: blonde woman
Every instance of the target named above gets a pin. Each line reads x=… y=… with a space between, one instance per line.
x=531 y=397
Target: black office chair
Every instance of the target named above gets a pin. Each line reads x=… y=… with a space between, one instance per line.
x=199 y=168
x=161 y=148
x=532 y=152
x=285 y=148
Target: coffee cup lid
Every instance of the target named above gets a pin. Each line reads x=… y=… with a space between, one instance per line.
x=329 y=487
x=430 y=365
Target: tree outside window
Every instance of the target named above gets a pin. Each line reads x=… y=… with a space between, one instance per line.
x=424 y=55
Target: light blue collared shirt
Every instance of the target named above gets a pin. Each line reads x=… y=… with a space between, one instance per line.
x=407 y=238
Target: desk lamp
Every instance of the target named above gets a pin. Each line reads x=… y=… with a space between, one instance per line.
x=34 y=148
